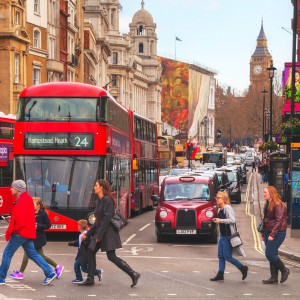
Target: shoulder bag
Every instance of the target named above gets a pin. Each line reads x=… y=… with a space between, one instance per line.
x=235 y=239
x=118 y=221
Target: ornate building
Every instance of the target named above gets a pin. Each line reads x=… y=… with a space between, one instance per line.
x=260 y=61
x=14 y=50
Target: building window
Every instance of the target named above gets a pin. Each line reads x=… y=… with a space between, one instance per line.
x=114 y=80
x=17 y=20
x=141 y=30
x=36 y=6
x=17 y=68
x=51 y=48
x=36 y=39
x=36 y=76
x=141 y=48
x=70 y=76
x=115 y=58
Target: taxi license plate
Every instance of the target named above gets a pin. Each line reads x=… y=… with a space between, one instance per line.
x=58 y=226
x=186 y=231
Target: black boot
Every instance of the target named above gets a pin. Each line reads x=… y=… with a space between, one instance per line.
x=284 y=271
x=89 y=281
x=274 y=274
x=126 y=268
x=218 y=277
x=244 y=271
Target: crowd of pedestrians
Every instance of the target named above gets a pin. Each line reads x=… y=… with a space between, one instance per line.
x=29 y=220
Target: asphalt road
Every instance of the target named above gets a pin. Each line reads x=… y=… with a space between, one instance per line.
x=178 y=269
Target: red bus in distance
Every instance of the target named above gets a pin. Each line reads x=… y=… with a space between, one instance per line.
x=68 y=135
x=145 y=166
x=7 y=125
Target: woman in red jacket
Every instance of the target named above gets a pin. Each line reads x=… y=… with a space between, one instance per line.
x=21 y=232
x=275 y=225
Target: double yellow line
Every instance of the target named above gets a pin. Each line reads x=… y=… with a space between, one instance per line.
x=256 y=235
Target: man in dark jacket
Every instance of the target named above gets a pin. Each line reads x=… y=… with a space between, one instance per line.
x=21 y=232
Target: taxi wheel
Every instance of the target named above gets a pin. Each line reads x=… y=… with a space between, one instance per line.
x=159 y=237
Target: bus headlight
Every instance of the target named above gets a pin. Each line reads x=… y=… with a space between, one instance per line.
x=91 y=218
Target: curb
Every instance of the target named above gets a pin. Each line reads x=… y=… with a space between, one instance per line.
x=289 y=255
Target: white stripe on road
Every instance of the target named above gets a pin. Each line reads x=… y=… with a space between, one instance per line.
x=129 y=239
x=144 y=227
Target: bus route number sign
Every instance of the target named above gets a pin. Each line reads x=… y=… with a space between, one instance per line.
x=58 y=141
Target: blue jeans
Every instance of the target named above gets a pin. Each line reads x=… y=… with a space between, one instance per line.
x=272 y=247
x=12 y=246
x=82 y=267
x=225 y=253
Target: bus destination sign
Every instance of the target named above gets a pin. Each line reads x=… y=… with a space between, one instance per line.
x=58 y=141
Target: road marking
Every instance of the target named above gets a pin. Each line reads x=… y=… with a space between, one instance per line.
x=184 y=282
x=144 y=227
x=172 y=294
x=129 y=239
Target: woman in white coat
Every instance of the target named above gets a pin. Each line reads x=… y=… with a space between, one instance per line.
x=226 y=221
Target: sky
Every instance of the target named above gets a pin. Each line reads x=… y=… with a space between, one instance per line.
x=219 y=35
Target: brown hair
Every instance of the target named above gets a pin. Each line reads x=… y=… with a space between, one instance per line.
x=275 y=198
x=224 y=196
x=106 y=189
x=39 y=202
x=83 y=224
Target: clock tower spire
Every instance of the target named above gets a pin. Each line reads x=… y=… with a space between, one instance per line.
x=260 y=61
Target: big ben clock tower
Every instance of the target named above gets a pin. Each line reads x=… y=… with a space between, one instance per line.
x=260 y=61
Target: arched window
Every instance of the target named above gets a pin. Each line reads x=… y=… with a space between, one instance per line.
x=141 y=30
x=36 y=39
x=141 y=48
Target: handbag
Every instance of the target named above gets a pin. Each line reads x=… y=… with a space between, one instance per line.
x=235 y=239
x=118 y=221
x=260 y=227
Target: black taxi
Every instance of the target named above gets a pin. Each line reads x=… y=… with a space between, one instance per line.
x=186 y=207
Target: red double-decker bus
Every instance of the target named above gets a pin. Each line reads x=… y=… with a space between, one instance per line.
x=68 y=135
x=144 y=175
x=7 y=125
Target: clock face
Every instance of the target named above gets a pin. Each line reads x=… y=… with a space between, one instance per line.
x=257 y=69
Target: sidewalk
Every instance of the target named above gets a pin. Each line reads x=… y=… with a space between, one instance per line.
x=291 y=246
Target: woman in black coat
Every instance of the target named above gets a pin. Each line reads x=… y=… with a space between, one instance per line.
x=104 y=237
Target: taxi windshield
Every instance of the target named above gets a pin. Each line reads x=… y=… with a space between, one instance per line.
x=186 y=191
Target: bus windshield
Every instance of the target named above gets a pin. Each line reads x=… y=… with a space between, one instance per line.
x=57 y=109
x=62 y=182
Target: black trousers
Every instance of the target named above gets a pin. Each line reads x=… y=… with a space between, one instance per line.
x=111 y=255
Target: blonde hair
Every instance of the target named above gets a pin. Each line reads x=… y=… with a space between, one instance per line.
x=275 y=198
x=39 y=201
x=224 y=196
x=83 y=224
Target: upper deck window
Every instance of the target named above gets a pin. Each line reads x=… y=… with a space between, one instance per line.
x=6 y=130
x=57 y=109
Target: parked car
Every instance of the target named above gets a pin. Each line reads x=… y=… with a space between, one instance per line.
x=186 y=207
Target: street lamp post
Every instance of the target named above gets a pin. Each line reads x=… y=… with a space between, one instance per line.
x=264 y=91
x=271 y=71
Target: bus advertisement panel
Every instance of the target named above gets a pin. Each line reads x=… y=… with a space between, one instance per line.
x=144 y=175
x=68 y=136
